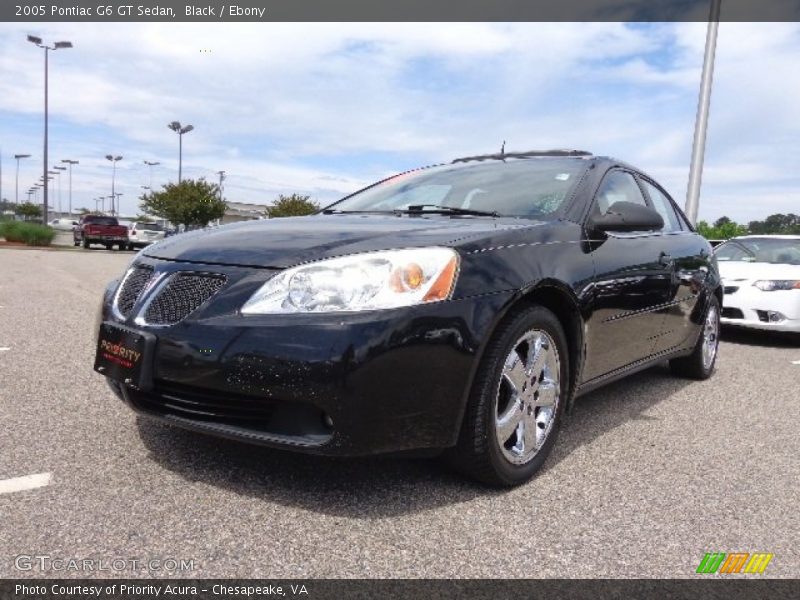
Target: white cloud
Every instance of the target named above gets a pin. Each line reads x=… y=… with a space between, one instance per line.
x=326 y=108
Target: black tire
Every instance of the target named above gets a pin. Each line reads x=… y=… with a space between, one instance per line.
x=108 y=246
x=478 y=452
x=85 y=243
x=76 y=243
x=695 y=366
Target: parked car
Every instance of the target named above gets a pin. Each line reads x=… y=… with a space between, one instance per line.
x=63 y=224
x=143 y=234
x=460 y=307
x=100 y=229
x=761 y=277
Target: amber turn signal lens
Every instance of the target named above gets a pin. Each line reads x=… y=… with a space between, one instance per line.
x=441 y=288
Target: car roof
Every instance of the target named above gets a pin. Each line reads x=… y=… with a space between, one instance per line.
x=767 y=235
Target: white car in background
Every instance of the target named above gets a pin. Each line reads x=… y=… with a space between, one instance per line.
x=63 y=224
x=761 y=279
x=141 y=234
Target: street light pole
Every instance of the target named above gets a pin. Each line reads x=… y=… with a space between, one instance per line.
x=16 y=181
x=150 y=166
x=58 y=197
x=113 y=160
x=57 y=46
x=221 y=179
x=70 y=163
x=177 y=128
x=60 y=172
x=701 y=123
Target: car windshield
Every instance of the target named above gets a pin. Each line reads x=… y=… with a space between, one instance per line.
x=149 y=226
x=534 y=188
x=762 y=250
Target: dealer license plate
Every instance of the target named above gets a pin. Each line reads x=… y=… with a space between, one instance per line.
x=125 y=355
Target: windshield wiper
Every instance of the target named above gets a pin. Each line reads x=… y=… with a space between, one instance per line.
x=452 y=210
x=337 y=211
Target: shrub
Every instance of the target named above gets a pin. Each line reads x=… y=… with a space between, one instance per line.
x=27 y=233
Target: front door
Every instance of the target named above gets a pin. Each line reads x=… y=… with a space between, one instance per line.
x=633 y=278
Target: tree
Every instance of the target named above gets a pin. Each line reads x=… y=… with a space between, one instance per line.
x=29 y=210
x=721 y=222
x=777 y=224
x=292 y=206
x=722 y=229
x=193 y=202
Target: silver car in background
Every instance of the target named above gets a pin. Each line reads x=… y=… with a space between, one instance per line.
x=143 y=234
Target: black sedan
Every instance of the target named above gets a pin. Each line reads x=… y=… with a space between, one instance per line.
x=461 y=307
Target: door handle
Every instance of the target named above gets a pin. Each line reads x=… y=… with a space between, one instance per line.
x=665 y=259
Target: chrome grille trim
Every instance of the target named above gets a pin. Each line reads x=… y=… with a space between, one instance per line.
x=130 y=290
x=177 y=296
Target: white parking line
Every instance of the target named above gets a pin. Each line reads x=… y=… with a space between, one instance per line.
x=796 y=362
x=5 y=349
x=29 y=482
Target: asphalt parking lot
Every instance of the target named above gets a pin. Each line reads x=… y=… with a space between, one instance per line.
x=647 y=475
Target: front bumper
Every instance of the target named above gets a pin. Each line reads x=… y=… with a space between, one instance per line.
x=749 y=307
x=339 y=384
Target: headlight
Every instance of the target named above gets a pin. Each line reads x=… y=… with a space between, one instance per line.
x=771 y=285
x=369 y=281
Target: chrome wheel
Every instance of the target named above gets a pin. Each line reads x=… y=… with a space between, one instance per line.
x=710 y=337
x=527 y=398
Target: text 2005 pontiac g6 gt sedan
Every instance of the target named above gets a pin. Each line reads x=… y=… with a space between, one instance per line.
x=460 y=307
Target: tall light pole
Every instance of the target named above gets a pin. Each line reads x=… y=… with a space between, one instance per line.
x=701 y=123
x=177 y=128
x=70 y=163
x=18 y=157
x=57 y=46
x=58 y=197
x=114 y=160
x=221 y=179
x=60 y=172
x=150 y=166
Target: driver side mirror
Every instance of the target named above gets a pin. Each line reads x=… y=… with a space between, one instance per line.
x=627 y=216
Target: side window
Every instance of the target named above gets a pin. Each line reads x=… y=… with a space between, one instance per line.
x=618 y=186
x=664 y=207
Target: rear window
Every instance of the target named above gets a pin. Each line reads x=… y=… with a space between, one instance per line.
x=149 y=227
x=99 y=220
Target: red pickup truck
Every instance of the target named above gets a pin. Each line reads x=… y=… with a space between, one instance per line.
x=99 y=229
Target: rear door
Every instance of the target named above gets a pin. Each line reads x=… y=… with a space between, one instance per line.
x=632 y=283
x=690 y=255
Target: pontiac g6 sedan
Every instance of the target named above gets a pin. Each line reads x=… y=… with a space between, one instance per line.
x=458 y=308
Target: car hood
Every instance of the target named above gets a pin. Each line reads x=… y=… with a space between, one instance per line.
x=750 y=271
x=281 y=243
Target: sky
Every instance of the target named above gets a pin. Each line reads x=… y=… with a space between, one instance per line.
x=324 y=109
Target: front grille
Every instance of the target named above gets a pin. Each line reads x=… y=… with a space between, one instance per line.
x=730 y=289
x=732 y=313
x=182 y=295
x=136 y=280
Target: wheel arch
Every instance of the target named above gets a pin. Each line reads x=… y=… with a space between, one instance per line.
x=560 y=299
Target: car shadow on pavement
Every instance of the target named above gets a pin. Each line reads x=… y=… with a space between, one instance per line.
x=757 y=337
x=379 y=487
x=602 y=410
